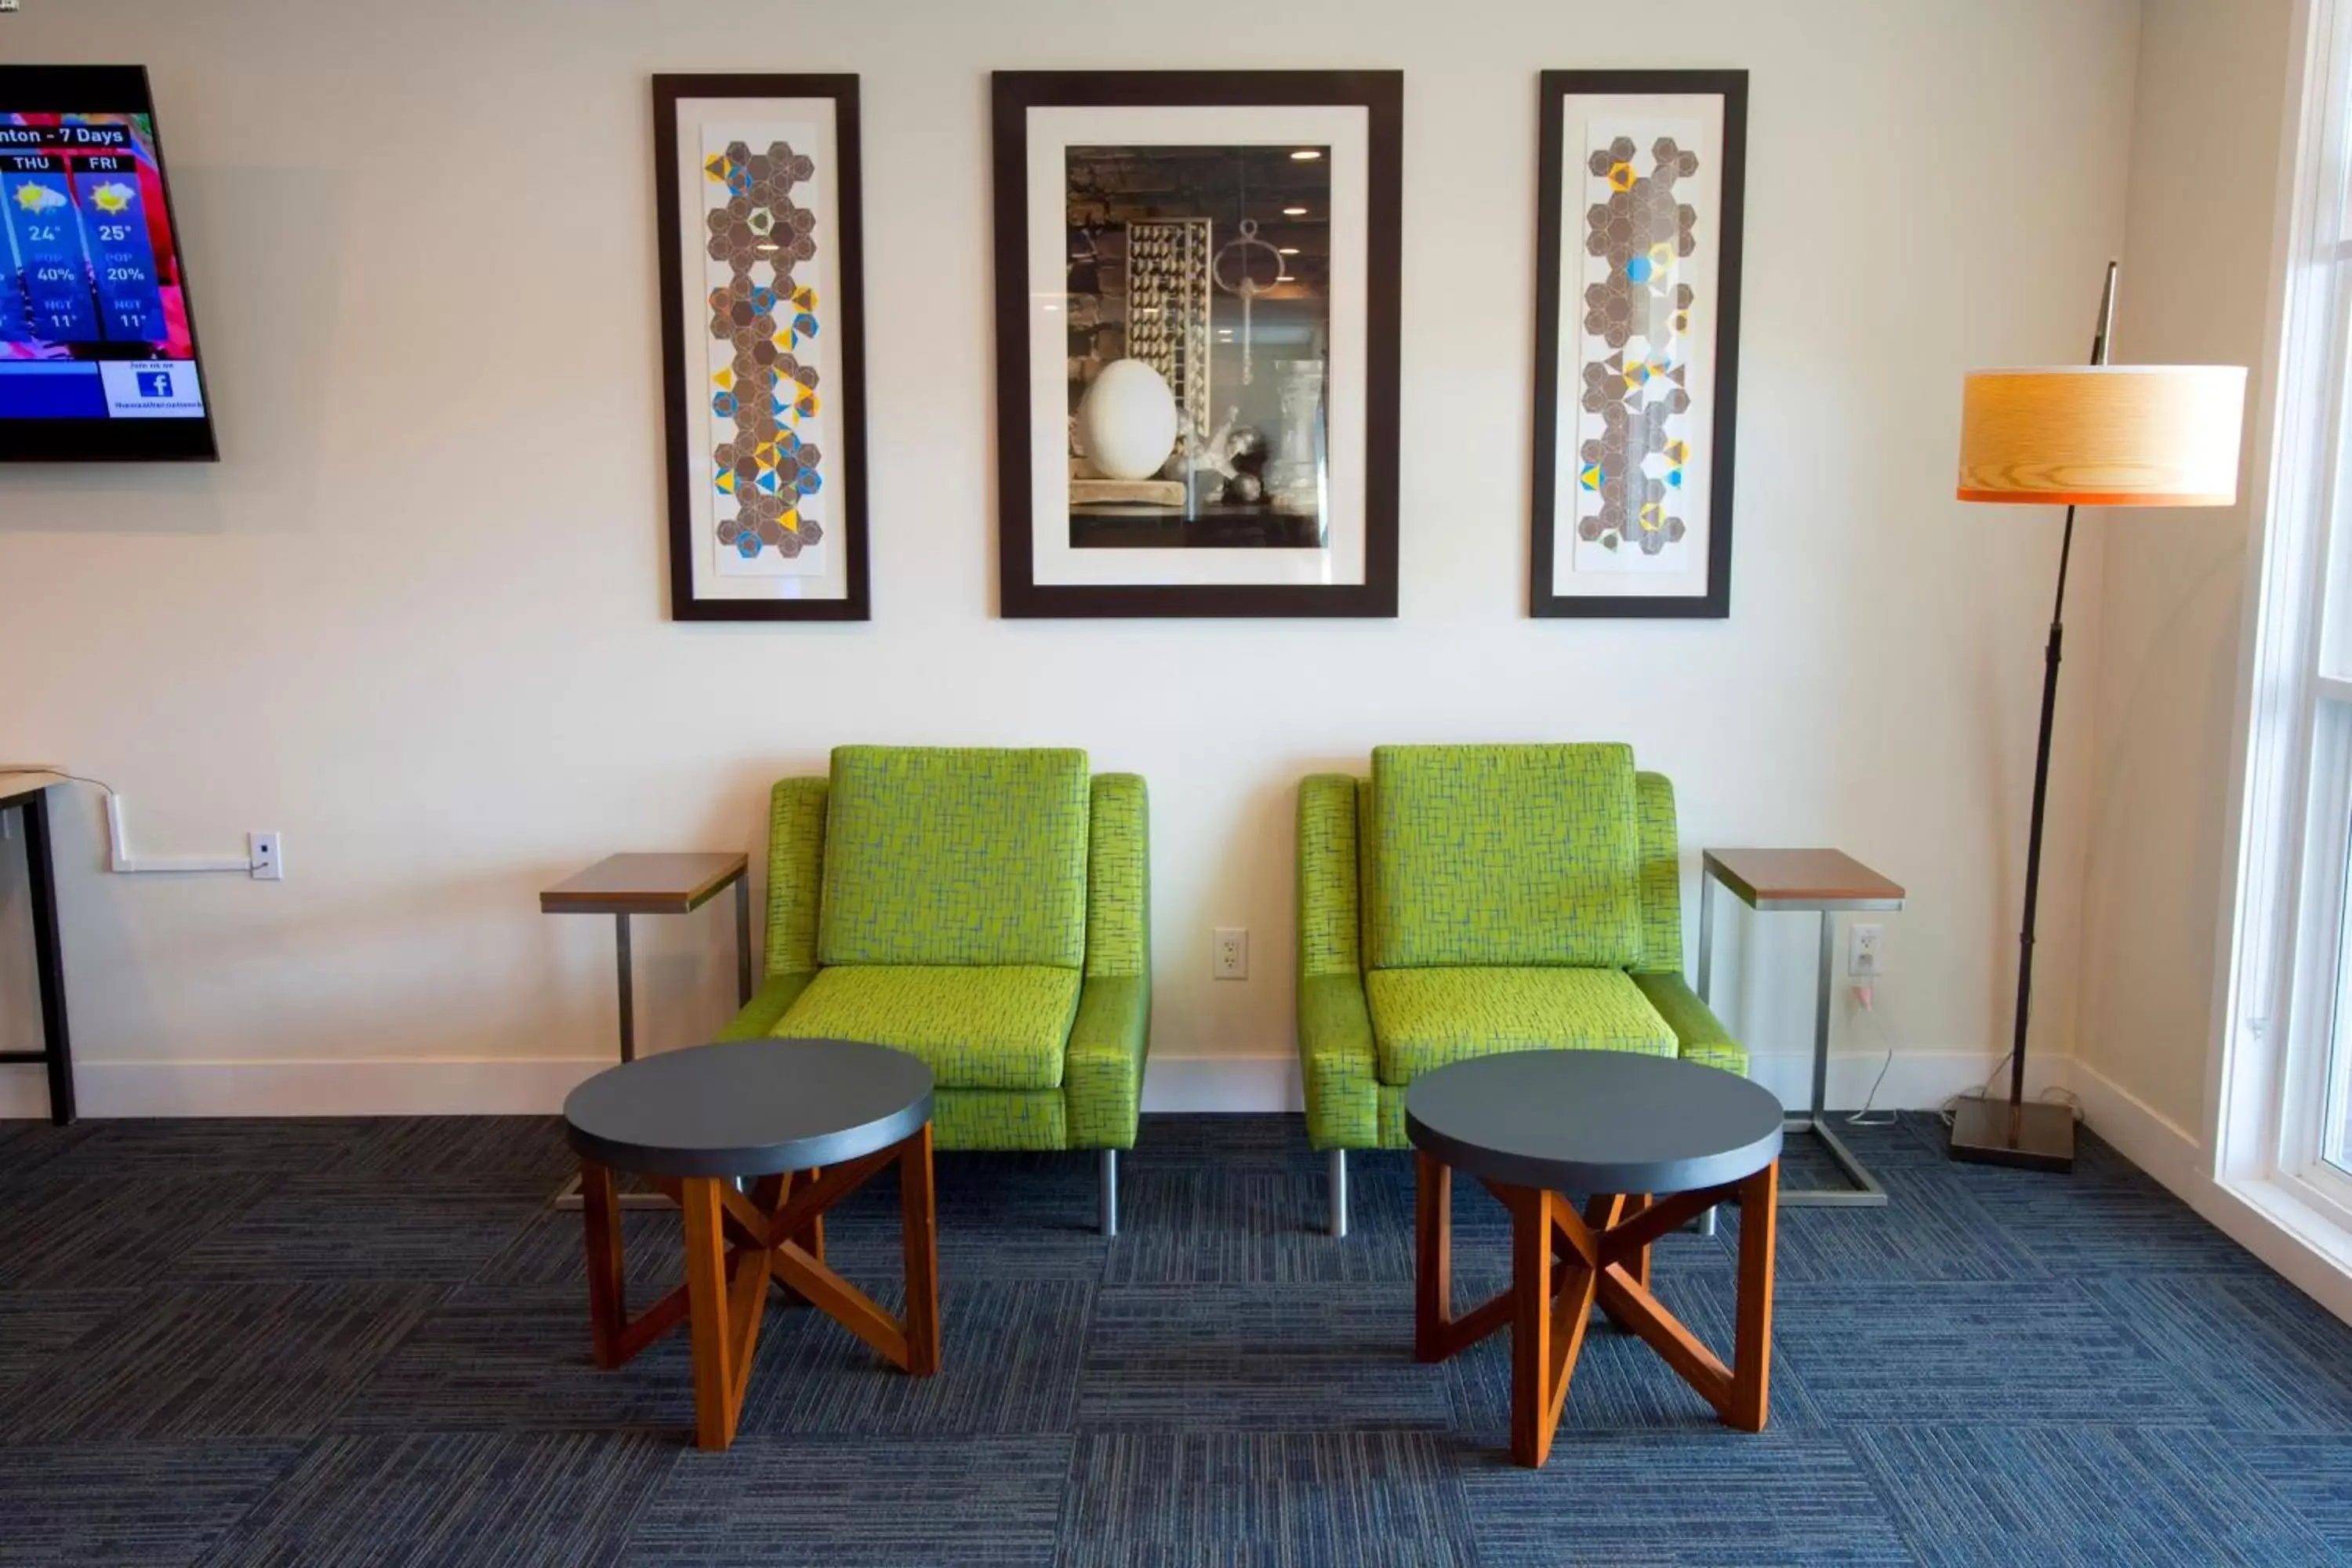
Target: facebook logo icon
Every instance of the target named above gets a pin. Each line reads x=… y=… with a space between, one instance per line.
x=154 y=383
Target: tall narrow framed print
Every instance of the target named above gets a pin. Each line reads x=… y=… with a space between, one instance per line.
x=756 y=182
x=1196 y=342
x=1637 y=342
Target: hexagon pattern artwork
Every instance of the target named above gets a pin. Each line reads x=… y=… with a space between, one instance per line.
x=1638 y=306
x=766 y=467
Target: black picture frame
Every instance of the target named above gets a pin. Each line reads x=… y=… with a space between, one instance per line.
x=847 y=401
x=1731 y=86
x=1381 y=94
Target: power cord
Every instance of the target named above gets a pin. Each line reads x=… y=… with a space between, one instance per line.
x=1864 y=999
x=59 y=773
x=2053 y=1095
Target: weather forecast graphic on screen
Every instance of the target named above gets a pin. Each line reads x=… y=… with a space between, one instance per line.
x=93 y=318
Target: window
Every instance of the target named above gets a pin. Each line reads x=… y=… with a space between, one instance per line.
x=2286 y=1093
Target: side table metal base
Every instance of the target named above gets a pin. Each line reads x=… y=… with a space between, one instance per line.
x=1865 y=1193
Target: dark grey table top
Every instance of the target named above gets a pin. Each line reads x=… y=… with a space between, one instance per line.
x=749 y=1108
x=1594 y=1122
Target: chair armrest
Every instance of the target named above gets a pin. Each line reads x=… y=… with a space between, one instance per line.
x=795 y=872
x=767 y=1007
x=1338 y=1062
x=1102 y=1076
x=1330 y=923
x=1699 y=1034
x=1118 y=878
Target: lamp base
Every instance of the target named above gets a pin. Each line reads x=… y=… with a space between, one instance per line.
x=2033 y=1136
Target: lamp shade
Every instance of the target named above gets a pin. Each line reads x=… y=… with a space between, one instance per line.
x=2121 y=435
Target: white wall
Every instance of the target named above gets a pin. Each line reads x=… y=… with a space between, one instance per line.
x=415 y=620
x=2198 y=269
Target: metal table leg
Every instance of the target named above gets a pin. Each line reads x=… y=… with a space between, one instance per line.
x=743 y=941
x=629 y=989
x=1865 y=1193
x=48 y=955
x=568 y=1196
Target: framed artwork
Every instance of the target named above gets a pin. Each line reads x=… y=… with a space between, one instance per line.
x=1637 y=342
x=1196 y=341
x=763 y=349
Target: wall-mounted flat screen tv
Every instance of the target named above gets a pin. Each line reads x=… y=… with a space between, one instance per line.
x=98 y=345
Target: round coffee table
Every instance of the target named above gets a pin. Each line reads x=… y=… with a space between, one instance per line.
x=1654 y=1142
x=755 y=1140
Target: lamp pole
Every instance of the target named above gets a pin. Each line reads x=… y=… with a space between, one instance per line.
x=2016 y=1132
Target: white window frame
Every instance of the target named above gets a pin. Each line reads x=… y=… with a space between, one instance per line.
x=2285 y=980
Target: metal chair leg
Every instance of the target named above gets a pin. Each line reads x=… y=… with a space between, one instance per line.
x=1110 y=1192
x=1338 y=1192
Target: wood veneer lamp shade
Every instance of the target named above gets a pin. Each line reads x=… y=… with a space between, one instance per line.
x=2119 y=435
x=2094 y=435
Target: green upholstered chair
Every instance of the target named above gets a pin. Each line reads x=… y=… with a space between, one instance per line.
x=988 y=912
x=1466 y=900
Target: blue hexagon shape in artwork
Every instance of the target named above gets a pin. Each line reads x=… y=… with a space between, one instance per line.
x=747 y=545
x=723 y=405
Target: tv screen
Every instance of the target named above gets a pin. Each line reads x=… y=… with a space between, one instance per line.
x=97 y=347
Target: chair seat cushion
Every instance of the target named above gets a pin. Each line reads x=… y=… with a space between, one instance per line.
x=975 y=1027
x=1425 y=1018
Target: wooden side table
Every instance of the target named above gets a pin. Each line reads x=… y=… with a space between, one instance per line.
x=626 y=885
x=756 y=1140
x=1832 y=883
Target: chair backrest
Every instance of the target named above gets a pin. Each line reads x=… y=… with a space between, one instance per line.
x=1518 y=855
x=955 y=856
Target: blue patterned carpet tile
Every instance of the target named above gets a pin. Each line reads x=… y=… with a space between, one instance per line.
x=528 y=1153
x=1991 y=1496
x=2101 y=1220
x=129 y=1505
x=2310 y=1472
x=1212 y=1224
x=543 y=1498
x=339 y=1227
x=1703 y=1500
x=1930 y=1232
x=1619 y=1383
x=1207 y=1500
x=952 y=1502
x=100 y=1231
x=1000 y=1217
x=2035 y=1350
x=516 y=1358
x=215 y=1362
x=2256 y=1353
x=1230 y=1142
x=228 y=1146
x=550 y=1250
x=1258 y=1358
x=1009 y=1365
x=26 y=1147
x=40 y=1326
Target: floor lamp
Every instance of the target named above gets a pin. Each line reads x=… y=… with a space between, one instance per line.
x=2096 y=435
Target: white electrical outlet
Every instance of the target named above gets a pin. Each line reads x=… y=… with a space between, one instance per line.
x=1862 y=949
x=1231 y=954
x=266 y=856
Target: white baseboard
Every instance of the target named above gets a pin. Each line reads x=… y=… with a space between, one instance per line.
x=497 y=1086
x=536 y=1085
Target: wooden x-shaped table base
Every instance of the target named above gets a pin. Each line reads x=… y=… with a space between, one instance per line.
x=737 y=1244
x=1563 y=1263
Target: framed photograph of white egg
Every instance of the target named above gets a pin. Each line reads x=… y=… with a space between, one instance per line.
x=756 y=187
x=1197 y=279
x=1639 y=206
